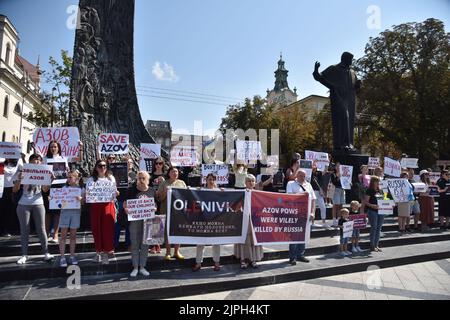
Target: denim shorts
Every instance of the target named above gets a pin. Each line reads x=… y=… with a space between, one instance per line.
x=416 y=207
x=70 y=219
x=339 y=196
x=356 y=233
x=344 y=240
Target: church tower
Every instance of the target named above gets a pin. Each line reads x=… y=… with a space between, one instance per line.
x=281 y=94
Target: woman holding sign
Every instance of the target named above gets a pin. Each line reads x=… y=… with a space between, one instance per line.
x=8 y=217
x=103 y=211
x=31 y=203
x=139 y=250
x=373 y=194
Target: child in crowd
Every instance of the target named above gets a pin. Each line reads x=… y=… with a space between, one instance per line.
x=355 y=209
x=70 y=219
x=344 y=213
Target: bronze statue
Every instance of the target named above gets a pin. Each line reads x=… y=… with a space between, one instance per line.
x=343 y=85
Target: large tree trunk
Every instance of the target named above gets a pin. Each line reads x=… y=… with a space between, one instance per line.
x=103 y=93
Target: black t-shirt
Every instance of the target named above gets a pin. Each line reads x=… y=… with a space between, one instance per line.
x=442 y=184
x=269 y=187
x=341 y=224
x=153 y=184
x=336 y=180
x=134 y=193
x=374 y=197
x=316 y=180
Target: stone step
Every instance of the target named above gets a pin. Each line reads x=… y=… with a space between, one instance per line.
x=164 y=284
x=120 y=263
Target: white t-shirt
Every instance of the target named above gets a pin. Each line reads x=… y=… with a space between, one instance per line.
x=31 y=196
x=12 y=173
x=294 y=187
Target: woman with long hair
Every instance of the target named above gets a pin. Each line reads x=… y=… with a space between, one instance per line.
x=373 y=194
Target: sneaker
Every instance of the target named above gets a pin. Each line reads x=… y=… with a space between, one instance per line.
x=22 y=260
x=303 y=259
x=134 y=273
x=53 y=240
x=73 y=261
x=358 y=248
x=105 y=259
x=63 y=263
x=293 y=262
x=50 y=239
x=335 y=223
x=144 y=272
x=354 y=250
x=342 y=254
x=48 y=257
x=348 y=253
x=97 y=258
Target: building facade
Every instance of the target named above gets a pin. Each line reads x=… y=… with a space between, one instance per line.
x=281 y=95
x=161 y=131
x=20 y=91
x=312 y=102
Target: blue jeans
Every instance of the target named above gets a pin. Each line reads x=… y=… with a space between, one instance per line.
x=376 y=222
x=296 y=251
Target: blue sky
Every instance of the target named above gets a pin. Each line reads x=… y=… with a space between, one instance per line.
x=224 y=48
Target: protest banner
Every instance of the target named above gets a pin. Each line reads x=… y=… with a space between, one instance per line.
x=434 y=191
x=141 y=209
x=65 y=198
x=113 y=143
x=386 y=207
x=248 y=151
x=10 y=150
x=321 y=158
x=278 y=218
x=100 y=191
x=154 y=231
x=409 y=163
x=184 y=156
x=67 y=137
x=220 y=171
x=306 y=165
x=434 y=177
x=400 y=189
x=149 y=152
x=2 y=179
x=420 y=187
x=346 y=177
x=373 y=163
x=120 y=173
x=392 y=167
x=359 y=221
x=59 y=171
x=384 y=186
x=347 y=229
x=36 y=174
x=206 y=217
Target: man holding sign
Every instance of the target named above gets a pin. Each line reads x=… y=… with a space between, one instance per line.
x=140 y=203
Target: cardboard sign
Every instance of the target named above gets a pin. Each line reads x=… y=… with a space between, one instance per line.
x=65 y=198
x=373 y=163
x=67 y=137
x=141 y=209
x=386 y=207
x=273 y=161
x=307 y=166
x=184 y=156
x=321 y=157
x=120 y=173
x=59 y=171
x=154 y=231
x=346 y=177
x=149 y=152
x=409 y=163
x=434 y=191
x=113 y=143
x=420 y=187
x=248 y=150
x=100 y=191
x=392 y=167
x=434 y=177
x=10 y=150
x=401 y=190
x=359 y=221
x=36 y=174
x=220 y=171
x=347 y=229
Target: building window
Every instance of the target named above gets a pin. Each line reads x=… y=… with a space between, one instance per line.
x=8 y=54
x=6 y=107
x=17 y=109
x=3 y=136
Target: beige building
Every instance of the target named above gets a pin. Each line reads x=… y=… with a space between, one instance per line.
x=313 y=102
x=19 y=86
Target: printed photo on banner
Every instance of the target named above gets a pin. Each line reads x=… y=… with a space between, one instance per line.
x=154 y=231
x=59 y=171
x=113 y=143
x=347 y=229
x=248 y=151
x=409 y=163
x=2 y=179
x=392 y=167
x=278 y=218
x=220 y=171
x=10 y=150
x=67 y=137
x=386 y=207
x=359 y=221
x=100 y=191
x=206 y=217
x=184 y=156
x=400 y=189
x=434 y=177
x=346 y=176
x=141 y=209
x=120 y=173
x=149 y=152
x=434 y=191
x=373 y=163
x=307 y=165
x=36 y=174
x=322 y=159
x=65 y=198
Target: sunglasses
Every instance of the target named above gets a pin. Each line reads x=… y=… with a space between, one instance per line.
x=101 y=166
x=159 y=163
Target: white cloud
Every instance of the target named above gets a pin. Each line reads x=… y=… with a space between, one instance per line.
x=164 y=72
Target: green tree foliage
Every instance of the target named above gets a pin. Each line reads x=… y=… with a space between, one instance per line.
x=405 y=94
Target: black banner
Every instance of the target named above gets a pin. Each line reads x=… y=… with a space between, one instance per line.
x=120 y=173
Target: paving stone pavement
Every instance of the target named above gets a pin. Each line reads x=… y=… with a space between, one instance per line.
x=422 y=281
